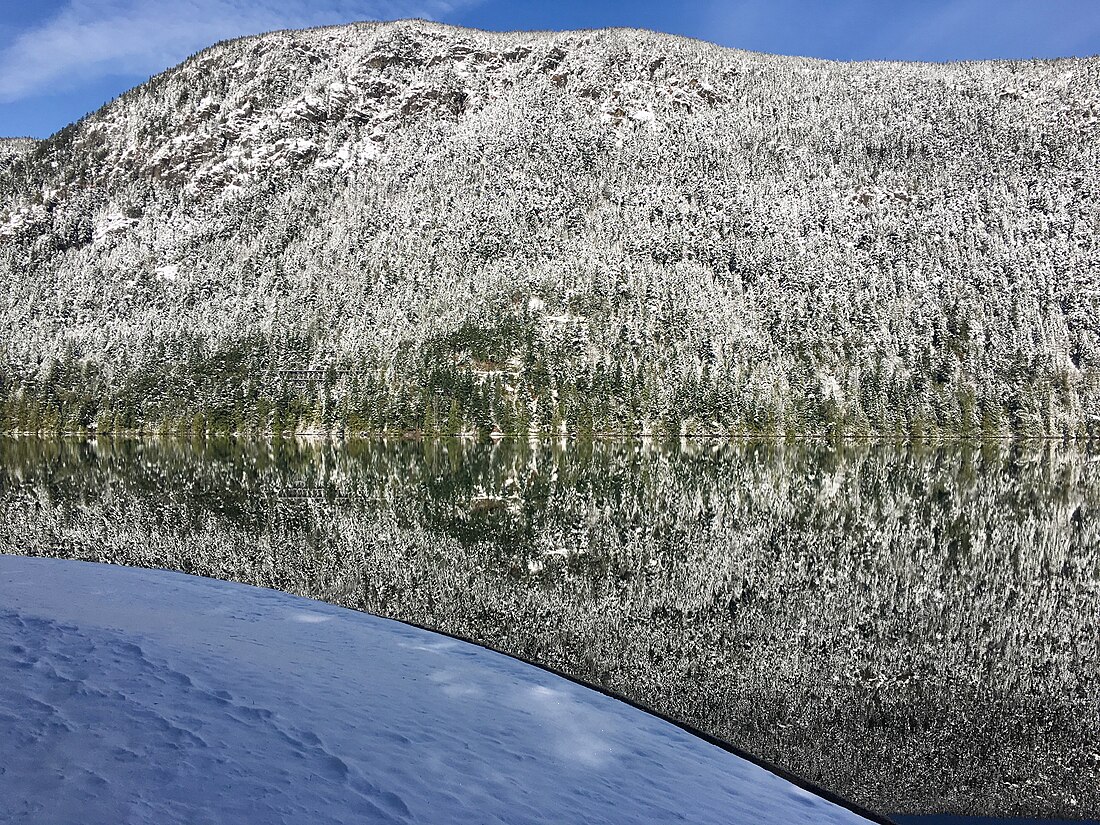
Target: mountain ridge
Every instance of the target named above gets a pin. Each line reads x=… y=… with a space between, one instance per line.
x=400 y=226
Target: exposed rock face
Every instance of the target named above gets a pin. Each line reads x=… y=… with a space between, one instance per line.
x=734 y=241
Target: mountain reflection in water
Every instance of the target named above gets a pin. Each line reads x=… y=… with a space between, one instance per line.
x=912 y=627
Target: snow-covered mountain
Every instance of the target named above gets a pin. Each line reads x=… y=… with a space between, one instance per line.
x=414 y=226
x=11 y=147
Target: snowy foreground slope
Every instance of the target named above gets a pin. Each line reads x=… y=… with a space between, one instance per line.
x=131 y=695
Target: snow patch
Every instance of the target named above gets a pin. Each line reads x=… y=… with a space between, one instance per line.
x=169 y=272
x=181 y=699
x=113 y=223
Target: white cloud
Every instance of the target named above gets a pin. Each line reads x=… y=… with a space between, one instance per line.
x=90 y=39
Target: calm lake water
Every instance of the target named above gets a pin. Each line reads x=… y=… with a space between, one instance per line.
x=913 y=627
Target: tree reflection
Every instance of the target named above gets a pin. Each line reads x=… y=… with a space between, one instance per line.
x=912 y=627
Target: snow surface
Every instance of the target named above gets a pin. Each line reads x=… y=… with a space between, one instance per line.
x=132 y=695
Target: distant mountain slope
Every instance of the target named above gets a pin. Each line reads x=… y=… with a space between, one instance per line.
x=412 y=226
x=10 y=146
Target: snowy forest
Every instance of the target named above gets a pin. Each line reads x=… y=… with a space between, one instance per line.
x=912 y=626
x=415 y=228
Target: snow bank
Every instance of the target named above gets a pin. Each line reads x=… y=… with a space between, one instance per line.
x=131 y=695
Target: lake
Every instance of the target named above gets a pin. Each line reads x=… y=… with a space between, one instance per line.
x=911 y=626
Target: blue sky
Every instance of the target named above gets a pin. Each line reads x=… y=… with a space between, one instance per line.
x=60 y=59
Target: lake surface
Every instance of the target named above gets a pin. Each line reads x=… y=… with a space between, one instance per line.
x=912 y=627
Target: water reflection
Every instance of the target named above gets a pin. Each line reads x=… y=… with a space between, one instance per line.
x=914 y=628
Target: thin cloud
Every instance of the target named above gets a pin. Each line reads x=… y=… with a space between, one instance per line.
x=91 y=39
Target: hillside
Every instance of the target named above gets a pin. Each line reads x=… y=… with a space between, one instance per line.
x=409 y=226
x=11 y=147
